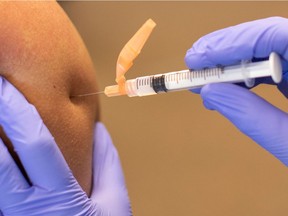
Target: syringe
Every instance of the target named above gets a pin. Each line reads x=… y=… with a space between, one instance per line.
x=185 y=79
x=189 y=79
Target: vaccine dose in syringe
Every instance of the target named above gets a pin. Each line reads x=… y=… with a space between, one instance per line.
x=189 y=79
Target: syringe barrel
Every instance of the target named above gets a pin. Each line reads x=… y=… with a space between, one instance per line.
x=172 y=81
x=186 y=79
x=140 y=86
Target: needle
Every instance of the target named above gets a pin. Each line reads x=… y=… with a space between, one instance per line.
x=88 y=94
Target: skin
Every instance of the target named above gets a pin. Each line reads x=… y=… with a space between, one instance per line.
x=43 y=56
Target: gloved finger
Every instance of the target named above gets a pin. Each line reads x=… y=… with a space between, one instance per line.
x=11 y=178
x=283 y=85
x=196 y=90
x=109 y=187
x=251 y=114
x=256 y=39
x=32 y=141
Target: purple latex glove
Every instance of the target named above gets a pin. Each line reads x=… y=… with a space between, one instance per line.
x=255 y=117
x=53 y=190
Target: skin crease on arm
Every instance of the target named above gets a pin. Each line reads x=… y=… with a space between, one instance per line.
x=43 y=56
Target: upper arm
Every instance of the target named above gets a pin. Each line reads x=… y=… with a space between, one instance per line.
x=44 y=57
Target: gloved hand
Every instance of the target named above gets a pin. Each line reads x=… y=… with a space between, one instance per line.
x=255 y=117
x=53 y=190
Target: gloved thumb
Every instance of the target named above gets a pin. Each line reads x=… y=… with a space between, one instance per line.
x=261 y=121
x=109 y=189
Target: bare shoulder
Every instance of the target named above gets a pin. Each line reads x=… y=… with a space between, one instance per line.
x=43 y=55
